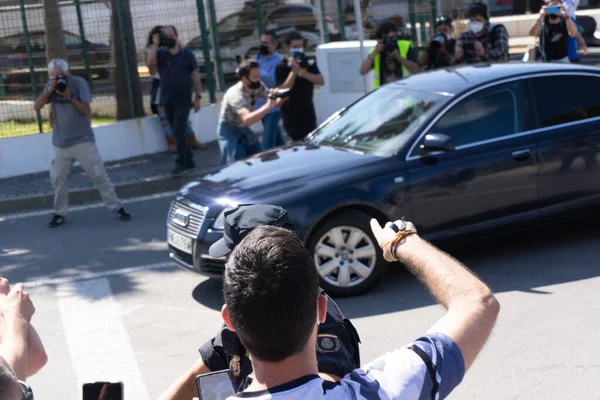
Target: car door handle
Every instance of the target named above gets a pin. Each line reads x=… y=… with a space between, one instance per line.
x=521 y=155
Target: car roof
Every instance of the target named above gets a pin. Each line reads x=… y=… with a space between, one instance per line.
x=461 y=78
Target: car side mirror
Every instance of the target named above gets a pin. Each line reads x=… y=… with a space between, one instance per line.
x=437 y=142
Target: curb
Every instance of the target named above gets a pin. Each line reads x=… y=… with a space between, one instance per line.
x=125 y=190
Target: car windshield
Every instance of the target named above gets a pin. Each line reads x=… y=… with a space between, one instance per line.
x=379 y=123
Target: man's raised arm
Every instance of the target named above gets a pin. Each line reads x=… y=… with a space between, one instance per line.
x=472 y=307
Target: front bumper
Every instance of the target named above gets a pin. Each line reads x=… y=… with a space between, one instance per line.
x=200 y=262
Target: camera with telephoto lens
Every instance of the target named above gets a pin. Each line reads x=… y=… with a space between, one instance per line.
x=163 y=39
x=279 y=93
x=301 y=59
x=61 y=83
x=389 y=45
x=438 y=41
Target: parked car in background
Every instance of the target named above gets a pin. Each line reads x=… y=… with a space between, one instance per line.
x=14 y=63
x=239 y=37
x=459 y=151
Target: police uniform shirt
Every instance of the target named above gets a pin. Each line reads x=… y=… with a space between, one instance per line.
x=429 y=368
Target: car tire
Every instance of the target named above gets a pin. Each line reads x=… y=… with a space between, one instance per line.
x=341 y=269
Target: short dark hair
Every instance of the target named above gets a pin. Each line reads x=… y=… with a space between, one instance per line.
x=293 y=35
x=155 y=30
x=478 y=8
x=385 y=28
x=271 y=287
x=245 y=67
x=172 y=27
x=8 y=383
x=272 y=34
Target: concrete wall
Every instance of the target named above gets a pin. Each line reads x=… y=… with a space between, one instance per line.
x=125 y=139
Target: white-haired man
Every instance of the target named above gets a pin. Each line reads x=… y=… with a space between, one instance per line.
x=73 y=139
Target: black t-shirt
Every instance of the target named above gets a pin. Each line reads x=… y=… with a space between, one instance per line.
x=556 y=40
x=301 y=94
x=298 y=113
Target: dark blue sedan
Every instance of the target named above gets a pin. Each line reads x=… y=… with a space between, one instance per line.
x=457 y=151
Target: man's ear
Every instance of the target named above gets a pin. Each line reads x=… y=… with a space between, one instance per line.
x=322 y=303
x=226 y=319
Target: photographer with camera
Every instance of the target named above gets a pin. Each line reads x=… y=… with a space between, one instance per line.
x=300 y=74
x=179 y=73
x=484 y=41
x=554 y=27
x=281 y=335
x=392 y=59
x=73 y=139
x=440 y=51
x=238 y=114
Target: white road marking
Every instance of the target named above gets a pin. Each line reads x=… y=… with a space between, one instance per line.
x=95 y=275
x=97 y=339
x=29 y=214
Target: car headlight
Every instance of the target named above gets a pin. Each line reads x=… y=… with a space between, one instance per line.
x=219 y=223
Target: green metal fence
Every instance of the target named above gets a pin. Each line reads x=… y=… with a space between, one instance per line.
x=106 y=43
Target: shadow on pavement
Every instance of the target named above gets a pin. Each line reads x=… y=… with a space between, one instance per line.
x=209 y=294
x=523 y=261
x=92 y=241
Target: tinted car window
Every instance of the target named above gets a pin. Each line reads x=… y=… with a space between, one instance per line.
x=488 y=114
x=561 y=99
x=381 y=122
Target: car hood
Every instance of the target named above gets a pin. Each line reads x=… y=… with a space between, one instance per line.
x=275 y=172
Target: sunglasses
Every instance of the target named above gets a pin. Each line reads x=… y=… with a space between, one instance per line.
x=26 y=390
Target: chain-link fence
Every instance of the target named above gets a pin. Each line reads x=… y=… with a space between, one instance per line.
x=106 y=42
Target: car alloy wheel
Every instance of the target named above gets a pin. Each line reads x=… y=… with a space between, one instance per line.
x=345 y=256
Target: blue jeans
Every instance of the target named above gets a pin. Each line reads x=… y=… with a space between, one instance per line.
x=236 y=143
x=271 y=134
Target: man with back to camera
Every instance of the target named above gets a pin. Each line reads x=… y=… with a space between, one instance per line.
x=267 y=59
x=73 y=139
x=281 y=336
x=299 y=74
x=337 y=343
x=484 y=41
x=239 y=112
x=179 y=72
x=391 y=59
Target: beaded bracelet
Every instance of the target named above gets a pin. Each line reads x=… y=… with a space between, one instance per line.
x=399 y=237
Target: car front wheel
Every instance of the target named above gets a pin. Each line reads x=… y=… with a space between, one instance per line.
x=346 y=254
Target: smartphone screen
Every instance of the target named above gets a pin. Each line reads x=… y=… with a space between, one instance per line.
x=215 y=385
x=103 y=391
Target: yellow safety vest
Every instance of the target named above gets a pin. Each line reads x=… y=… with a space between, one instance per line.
x=404 y=46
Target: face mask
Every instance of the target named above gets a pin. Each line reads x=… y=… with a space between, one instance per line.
x=170 y=43
x=253 y=85
x=264 y=50
x=295 y=52
x=476 y=26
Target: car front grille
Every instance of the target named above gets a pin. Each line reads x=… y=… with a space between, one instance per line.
x=187 y=217
x=183 y=256
x=213 y=266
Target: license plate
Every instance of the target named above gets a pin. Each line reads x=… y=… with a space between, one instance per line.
x=180 y=242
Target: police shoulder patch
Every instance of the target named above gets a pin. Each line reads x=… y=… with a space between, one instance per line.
x=327 y=343
x=234 y=365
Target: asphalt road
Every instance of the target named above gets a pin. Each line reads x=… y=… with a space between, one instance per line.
x=144 y=326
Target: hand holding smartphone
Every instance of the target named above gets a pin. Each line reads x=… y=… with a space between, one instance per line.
x=215 y=385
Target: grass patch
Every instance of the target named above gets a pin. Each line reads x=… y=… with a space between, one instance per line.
x=16 y=128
